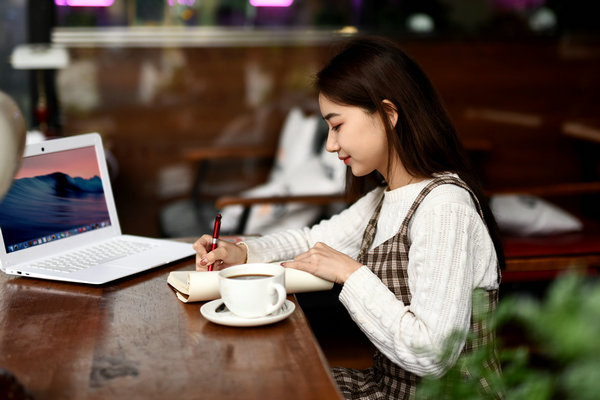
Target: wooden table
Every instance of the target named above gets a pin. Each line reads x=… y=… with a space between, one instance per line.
x=134 y=340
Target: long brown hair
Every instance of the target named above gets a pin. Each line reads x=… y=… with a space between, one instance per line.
x=368 y=70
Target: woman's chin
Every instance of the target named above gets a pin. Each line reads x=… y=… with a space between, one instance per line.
x=357 y=172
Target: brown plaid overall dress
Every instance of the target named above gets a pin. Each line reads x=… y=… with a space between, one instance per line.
x=389 y=261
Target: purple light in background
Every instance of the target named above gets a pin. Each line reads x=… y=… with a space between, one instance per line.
x=84 y=3
x=271 y=3
x=182 y=2
x=357 y=6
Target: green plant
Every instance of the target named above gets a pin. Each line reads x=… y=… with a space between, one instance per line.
x=557 y=355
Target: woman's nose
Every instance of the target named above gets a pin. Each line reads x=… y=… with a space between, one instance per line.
x=331 y=145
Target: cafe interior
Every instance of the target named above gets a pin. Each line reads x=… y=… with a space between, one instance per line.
x=208 y=106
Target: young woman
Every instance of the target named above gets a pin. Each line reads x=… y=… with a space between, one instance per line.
x=410 y=253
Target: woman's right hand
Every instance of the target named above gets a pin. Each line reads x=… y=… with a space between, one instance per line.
x=225 y=255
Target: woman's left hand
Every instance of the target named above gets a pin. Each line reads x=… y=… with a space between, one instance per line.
x=325 y=262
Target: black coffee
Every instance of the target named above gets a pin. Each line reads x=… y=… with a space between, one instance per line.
x=250 y=276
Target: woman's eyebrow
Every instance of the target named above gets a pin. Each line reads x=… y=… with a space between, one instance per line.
x=330 y=115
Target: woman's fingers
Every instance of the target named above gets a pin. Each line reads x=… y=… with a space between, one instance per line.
x=325 y=262
x=204 y=258
x=224 y=255
x=202 y=245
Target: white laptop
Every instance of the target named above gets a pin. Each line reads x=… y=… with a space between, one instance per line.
x=58 y=220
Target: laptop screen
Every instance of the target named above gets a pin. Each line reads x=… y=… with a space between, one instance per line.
x=54 y=196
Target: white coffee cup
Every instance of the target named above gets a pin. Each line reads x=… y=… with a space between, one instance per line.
x=253 y=290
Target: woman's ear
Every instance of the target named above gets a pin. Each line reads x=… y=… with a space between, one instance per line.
x=391 y=111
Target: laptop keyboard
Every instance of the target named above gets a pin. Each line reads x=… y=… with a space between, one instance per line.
x=93 y=255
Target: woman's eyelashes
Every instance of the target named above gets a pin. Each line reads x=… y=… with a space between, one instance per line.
x=336 y=128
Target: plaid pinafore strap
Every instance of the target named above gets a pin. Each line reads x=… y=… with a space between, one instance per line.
x=389 y=261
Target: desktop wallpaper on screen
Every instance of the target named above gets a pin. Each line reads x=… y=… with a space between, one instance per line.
x=53 y=196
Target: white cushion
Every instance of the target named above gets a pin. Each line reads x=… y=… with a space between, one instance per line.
x=527 y=215
x=298 y=170
x=296 y=143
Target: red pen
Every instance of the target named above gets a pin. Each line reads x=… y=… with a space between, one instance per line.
x=215 y=237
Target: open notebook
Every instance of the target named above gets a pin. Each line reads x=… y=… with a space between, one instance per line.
x=190 y=286
x=58 y=221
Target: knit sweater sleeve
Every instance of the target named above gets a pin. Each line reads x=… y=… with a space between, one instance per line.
x=342 y=232
x=444 y=253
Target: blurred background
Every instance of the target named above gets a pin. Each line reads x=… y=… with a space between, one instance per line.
x=190 y=96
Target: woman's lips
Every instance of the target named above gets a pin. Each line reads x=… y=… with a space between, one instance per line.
x=346 y=160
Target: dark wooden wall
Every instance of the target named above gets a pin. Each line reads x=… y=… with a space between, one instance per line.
x=518 y=96
x=509 y=99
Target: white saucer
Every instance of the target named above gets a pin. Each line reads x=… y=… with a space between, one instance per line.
x=225 y=317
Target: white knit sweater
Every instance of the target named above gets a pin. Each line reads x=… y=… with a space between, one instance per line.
x=451 y=254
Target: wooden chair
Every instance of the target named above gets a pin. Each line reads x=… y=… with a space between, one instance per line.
x=544 y=257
